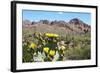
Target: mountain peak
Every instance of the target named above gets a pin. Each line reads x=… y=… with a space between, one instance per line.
x=76 y=21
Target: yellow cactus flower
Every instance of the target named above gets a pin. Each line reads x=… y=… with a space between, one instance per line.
x=52 y=52
x=46 y=49
x=63 y=47
x=51 y=35
x=33 y=45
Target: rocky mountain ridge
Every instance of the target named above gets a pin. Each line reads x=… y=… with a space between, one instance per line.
x=75 y=25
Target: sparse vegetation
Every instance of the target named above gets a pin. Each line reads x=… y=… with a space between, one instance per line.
x=39 y=47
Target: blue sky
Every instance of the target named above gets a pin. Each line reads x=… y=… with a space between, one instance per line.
x=34 y=15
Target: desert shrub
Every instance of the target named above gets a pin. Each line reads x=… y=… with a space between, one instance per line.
x=42 y=47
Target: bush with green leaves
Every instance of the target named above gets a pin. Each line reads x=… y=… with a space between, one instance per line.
x=44 y=47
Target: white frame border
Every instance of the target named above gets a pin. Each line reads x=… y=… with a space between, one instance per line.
x=21 y=65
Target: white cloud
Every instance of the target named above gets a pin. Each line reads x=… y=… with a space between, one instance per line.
x=60 y=12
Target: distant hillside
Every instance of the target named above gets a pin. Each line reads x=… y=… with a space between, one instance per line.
x=74 y=26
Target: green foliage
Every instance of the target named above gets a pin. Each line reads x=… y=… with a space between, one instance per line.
x=80 y=48
x=57 y=48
